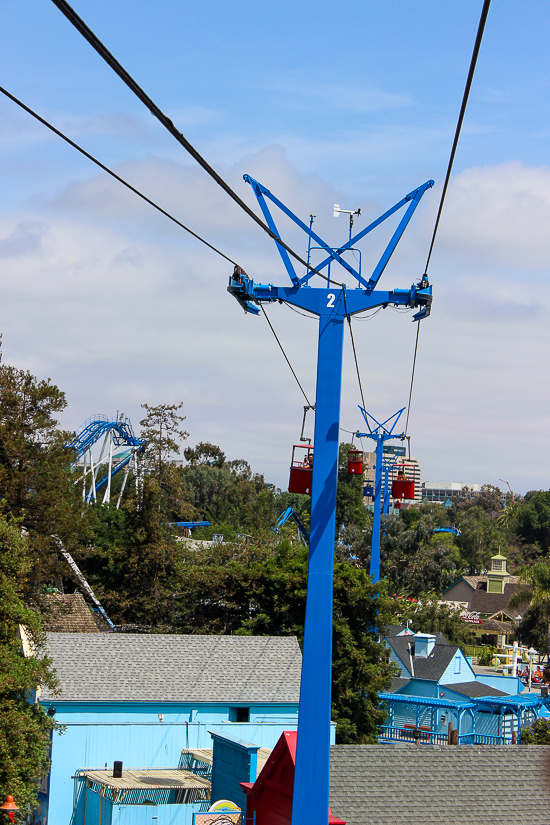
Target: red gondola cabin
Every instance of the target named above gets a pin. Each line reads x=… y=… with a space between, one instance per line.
x=301 y=471
x=355 y=462
x=402 y=488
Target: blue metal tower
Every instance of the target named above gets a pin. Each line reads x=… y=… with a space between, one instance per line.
x=333 y=303
x=380 y=433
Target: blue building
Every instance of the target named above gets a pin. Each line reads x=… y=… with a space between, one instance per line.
x=149 y=701
x=438 y=691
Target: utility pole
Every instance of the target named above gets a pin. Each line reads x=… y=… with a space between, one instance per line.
x=333 y=304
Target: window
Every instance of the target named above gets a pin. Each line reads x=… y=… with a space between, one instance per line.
x=457 y=664
x=239 y=714
x=497 y=564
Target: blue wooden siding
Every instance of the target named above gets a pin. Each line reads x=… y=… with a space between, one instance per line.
x=234 y=761
x=420 y=687
x=100 y=733
x=458 y=670
x=394 y=658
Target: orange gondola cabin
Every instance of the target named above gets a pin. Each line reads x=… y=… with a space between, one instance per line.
x=301 y=469
x=355 y=462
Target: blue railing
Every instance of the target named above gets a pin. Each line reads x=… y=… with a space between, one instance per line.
x=425 y=737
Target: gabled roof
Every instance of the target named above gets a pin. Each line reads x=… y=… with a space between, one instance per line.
x=398 y=630
x=433 y=785
x=474 y=581
x=397 y=684
x=135 y=667
x=69 y=614
x=434 y=666
x=484 y=602
x=284 y=750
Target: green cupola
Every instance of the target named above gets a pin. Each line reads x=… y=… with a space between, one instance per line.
x=497 y=575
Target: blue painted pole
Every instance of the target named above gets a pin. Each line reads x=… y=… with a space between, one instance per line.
x=375 y=548
x=386 y=507
x=311 y=778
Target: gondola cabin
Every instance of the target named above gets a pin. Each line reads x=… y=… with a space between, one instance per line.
x=355 y=462
x=402 y=488
x=301 y=469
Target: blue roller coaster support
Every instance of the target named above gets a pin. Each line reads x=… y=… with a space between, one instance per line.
x=114 y=433
x=333 y=303
x=290 y=514
x=380 y=433
x=452 y=530
x=190 y=524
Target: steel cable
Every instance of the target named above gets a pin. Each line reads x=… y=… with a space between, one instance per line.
x=286 y=358
x=465 y=97
x=113 y=174
x=109 y=58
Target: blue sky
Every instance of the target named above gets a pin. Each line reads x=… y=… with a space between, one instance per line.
x=322 y=102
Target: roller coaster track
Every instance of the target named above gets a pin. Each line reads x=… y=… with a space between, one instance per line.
x=112 y=434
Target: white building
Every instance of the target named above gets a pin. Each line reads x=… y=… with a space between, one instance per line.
x=440 y=491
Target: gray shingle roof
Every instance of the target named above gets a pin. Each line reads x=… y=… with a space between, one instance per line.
x=434 y=666
x=397 y=684
x=484 y=602
x=474 y=689
x=431 y=785
x=133 y=667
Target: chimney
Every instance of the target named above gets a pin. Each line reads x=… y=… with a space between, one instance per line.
x=117 y=770
x=424 y=644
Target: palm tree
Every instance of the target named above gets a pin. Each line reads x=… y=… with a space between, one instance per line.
x=535 y=589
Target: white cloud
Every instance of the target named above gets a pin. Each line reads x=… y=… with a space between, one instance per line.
x=332 y=97
x=119 y=307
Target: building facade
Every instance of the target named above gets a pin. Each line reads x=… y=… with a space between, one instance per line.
x=142 y=700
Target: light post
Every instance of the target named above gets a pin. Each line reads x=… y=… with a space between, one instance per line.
x=9 y=807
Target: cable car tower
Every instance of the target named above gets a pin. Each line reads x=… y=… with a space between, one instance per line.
x=380 y=433
x=333 y=303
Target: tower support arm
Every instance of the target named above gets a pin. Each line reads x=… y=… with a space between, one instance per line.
x=416 y=195
x=260 y=191
x=333 y=253
x=318 y=301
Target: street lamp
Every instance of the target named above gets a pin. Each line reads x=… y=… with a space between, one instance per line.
x=9 y=807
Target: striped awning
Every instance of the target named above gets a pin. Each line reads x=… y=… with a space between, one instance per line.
x=147 y=779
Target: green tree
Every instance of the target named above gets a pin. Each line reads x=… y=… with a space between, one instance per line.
x=36 y=480
x=428 y=616
x=228 y=492
x=161 y=430
x=531 y=519
x=538 y=733
x=350 y=508
x=204 y=453
x=532 y=631
x=25 y=727
x=535 y=590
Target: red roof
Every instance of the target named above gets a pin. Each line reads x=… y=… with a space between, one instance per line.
x=270 y=796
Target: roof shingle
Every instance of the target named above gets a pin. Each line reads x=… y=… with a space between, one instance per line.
x=69 y=613
x=463 y=785
x=132 y=667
